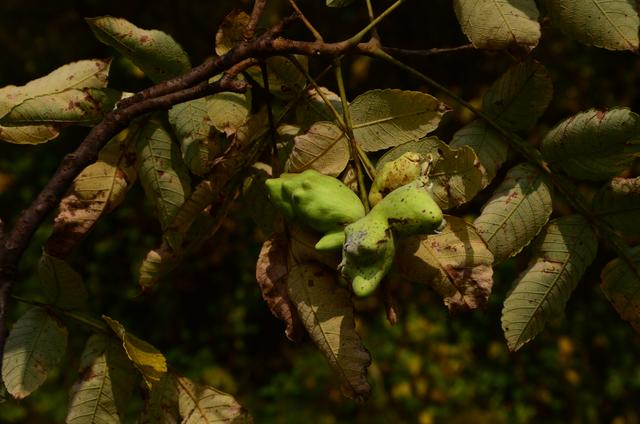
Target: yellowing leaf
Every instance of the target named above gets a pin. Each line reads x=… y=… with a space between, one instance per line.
x=519 y=208
x=618 y=203
x=455 y=263
x=230 y=32
x=62 y=285
x=203 y=404
x=498 y=24
x=35 y=345
x=153 y=51
x=621 y=285
x=324 y=148
x=610 y=24
x=107 y=378
x=388 y=118
x=146 y=358
x=562 y=253
x=594 y=145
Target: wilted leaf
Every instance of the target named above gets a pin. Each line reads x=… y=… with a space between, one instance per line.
x=327 y=313
x=610 y=24
x=388 y=118
x=271 y=273
x=618 y=203
x=285 y=79
x=498 y=24
x=61 y=284
x=35 y=345
x=162 y=173
x=230 y=32
x=621 y=285
x=97 y=190
x=106 y=381
x=324 y=148
x=520 y=96
x=228 y=111
x=157 y=54
x=455 y=263
x=146 y=358
x=204 y=404
x=519 y=208
x=594 y=145
x=562 y=253
x=312 y=108
x=455 y=173
x=80 y=106
x=199 y=142
x=490 y=148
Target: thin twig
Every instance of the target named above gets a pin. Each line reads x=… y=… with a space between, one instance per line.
x=374 y=31
x=250 y=30
x=394 y=51
x=306 y=21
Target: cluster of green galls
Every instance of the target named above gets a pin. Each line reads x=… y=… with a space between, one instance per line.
x=368 y=240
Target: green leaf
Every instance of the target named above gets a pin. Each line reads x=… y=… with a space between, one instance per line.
x=561 y=255
x=161 y=407
x=146 y=358
x=204 y=404
x=228 y=111
x=81 y=74
x=199 y=142
x=455 y=263
x=324 y=148
x=97 y=190
x=621 y=285
x=388 y=118
x=327 y=313
x=520 y=96
x=610 y=24
x=455 y=173
x=162 y=173
x=157 y=54
x=230 y=32
x=86 y=106
x=107 y=378
x=285 y=79
x=498 y=24
x=490 y=148
x=618 y=203
x=338 y=3
x=594 y=145
x=62 y=285
x=312 y=108
x=519 y=208
x=202 y=196
x=35 y=345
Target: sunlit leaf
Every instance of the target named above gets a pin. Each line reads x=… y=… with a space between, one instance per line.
x=323 y=147
x=327 y=313
x=498 y=24
x=97 y=190
x=519 y=208
x=490 y=148
x=455 y=263
x=610 y=24
x=618 y=203
x=561 y=255
x=621 y=285
x=79 y=106
x=157 y=54
x=162 y=173
x=146 y=358
x=203 y=404
x=230 y=32
x=106 y=380
x=388 y=118
x=520 y=96
x=312 y=108
x=35 y=345
x=271 y=273
x=594 y=145
x=61 y=284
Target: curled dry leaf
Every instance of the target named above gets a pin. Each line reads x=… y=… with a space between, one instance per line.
x=455 y=263
x=271 y=274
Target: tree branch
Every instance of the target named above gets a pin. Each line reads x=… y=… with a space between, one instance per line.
x=394 y=51
x=256 y=13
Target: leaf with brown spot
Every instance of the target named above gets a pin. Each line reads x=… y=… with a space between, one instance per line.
x=455 y=263
x=326 y=310
x=621 y=285
x=271 y=273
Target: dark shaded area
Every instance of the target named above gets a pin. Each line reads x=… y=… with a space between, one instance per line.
x=208 y=316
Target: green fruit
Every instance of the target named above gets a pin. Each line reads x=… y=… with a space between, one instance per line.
x=321 y=202
x=331 y=241
x=395 y=174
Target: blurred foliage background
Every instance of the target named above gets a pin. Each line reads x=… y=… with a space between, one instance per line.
x=208 y=316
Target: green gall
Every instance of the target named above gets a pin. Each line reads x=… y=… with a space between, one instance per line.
x=331 y=241
x=395 y=174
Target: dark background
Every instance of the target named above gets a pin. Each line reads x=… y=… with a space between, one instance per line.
x=208 y=317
